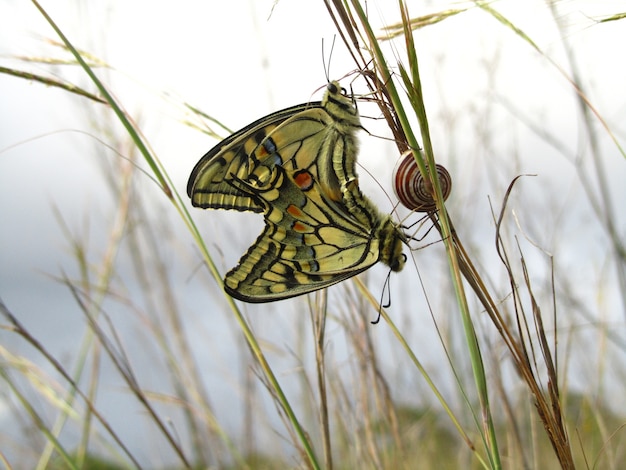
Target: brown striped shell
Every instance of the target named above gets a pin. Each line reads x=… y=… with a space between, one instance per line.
x=412 y=189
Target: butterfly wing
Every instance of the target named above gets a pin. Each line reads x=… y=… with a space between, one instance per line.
x=310 y=241
x=210 y=185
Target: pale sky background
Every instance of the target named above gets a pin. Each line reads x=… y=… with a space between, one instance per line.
x=240 y=60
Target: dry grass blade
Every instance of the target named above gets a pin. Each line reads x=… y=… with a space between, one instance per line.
x=53 y=83
x=23 y=332
x=123 y=366
x=318 y=318
x=547 y=402
x=398 y=29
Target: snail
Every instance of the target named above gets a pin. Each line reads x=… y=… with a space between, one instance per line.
x=413 y=190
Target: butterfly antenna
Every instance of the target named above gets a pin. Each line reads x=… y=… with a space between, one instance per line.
x=375 y=322
x=327 y=68
x=386 y=288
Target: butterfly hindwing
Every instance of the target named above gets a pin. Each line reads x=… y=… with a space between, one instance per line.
x=298 y=167
x=308 y=243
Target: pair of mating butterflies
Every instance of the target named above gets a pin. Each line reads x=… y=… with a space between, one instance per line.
x=298 y=167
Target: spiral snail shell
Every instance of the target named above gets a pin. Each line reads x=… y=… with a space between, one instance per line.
x=413 y=190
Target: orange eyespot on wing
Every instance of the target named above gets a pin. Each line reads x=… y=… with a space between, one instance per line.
x=303 y=179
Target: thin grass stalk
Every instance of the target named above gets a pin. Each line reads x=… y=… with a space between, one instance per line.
x=185 y=376
x=413 y=84
x=121 y=115
x=187 y=385
x=604 y=206
x=382 y=392
x=39 y=422
x=368 y=386
x=273 y=382
x=94 y=303
x=398 y=334
x=548 y=408
x=52 y=83
x=20 y=330
x=516 y=442
x=367 y=414
x=101 y=289
x=605 y=212
x=123 y=366
x=347 y=441
x=117 y=232
x=319 y=329
x=519 y=32
x=249 y=402
x=386 y=78
x=140 y=145
x=92 y=392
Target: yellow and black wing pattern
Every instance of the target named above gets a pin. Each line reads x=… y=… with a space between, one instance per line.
x=298 y=167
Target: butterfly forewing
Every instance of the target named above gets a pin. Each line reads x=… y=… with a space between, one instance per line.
x=209 y=184
x=298 y=167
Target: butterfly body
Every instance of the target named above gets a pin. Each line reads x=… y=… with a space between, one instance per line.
x=298 y=167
